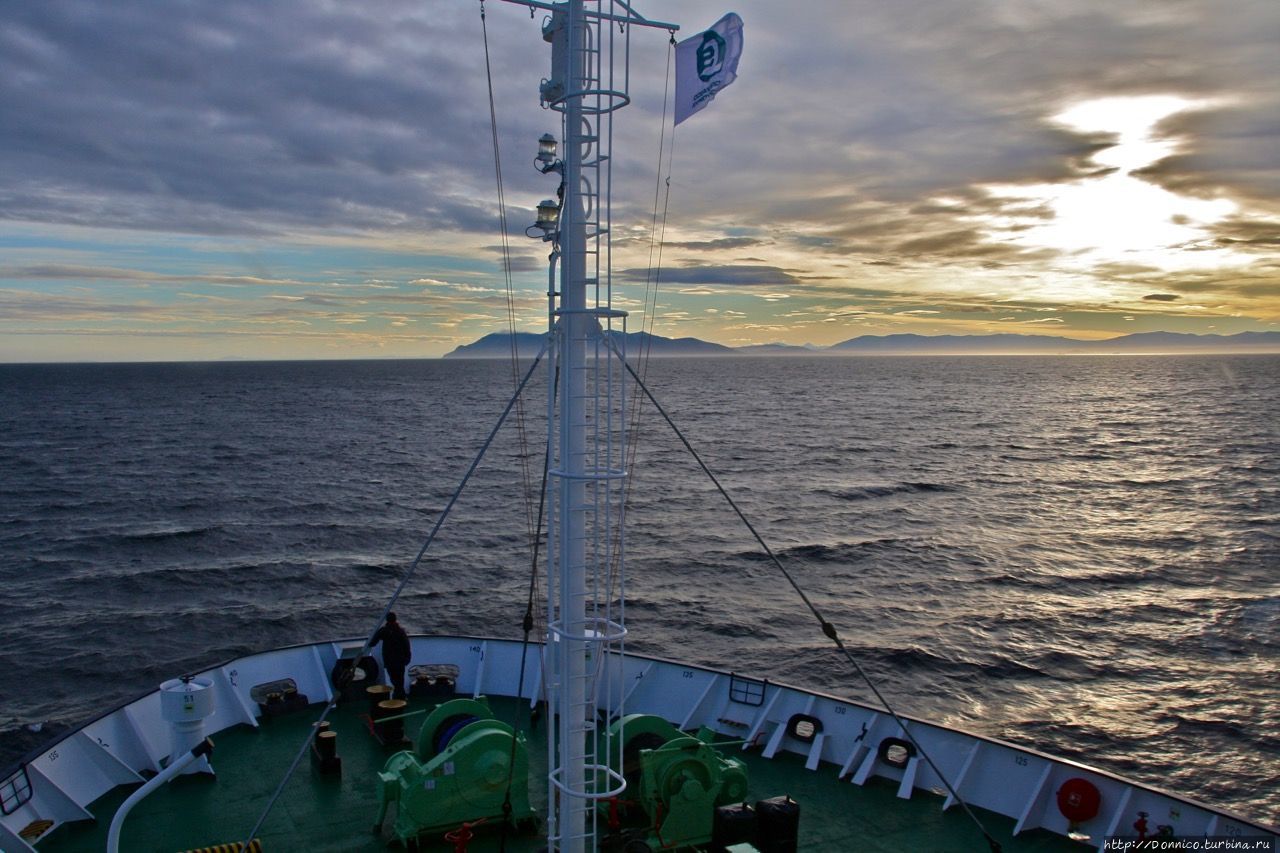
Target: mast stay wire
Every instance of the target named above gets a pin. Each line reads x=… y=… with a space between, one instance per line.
x=395 y=596
x=526 y=479
x=653 y=274
x=827 y=628
x=527 y=623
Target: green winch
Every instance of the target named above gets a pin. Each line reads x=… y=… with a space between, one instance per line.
x=677 y=779
x=457 y=773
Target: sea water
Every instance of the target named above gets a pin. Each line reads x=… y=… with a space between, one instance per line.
x=1079 y=554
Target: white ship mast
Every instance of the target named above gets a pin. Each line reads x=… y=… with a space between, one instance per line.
x=590 y=42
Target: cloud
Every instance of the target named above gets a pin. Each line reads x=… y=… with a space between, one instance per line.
x=239 y=118
x=1230 y=152
x=513 y=260
x=72 y=272
x=31 y=306
x=716 y=244
x=524 y=263
x=741 y=275
x=1161 y=297
x=1258 y=234
x=860 y=173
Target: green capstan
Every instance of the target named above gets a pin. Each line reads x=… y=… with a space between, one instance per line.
x=457 y=773
x=677 y=779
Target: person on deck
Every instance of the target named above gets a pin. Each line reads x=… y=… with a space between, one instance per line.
x=395 y=653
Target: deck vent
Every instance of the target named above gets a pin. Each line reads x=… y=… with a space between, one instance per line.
x=804 y=728
x=15 y=791
x=747 y=691
x=185 y=703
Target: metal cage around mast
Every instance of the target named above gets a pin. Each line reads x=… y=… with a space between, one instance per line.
x=586 y=417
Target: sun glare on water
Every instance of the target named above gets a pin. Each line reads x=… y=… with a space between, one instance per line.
x=1114 y=216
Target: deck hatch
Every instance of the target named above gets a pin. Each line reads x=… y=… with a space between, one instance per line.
x=747 y=691
x=15 y=791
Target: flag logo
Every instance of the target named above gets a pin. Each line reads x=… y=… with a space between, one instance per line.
x=710 y=55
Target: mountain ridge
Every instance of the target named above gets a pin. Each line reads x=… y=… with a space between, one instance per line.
x=498 y=345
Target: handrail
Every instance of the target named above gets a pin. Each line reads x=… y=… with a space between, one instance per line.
x=200 y=750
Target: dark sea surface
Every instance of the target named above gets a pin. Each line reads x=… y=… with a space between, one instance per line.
x=1080 y=554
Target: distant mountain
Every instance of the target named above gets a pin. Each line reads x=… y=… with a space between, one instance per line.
x=498 y=345
x=779 y=349
x=1009 y=343
x=955 y=343
x=1172 y=341
x=661 y=346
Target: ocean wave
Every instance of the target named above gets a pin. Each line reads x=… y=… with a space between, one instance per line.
x=917 y=660
x=881 y=490
x=161 y=534
x=817 y=552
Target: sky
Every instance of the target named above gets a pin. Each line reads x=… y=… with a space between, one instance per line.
x=315 y=179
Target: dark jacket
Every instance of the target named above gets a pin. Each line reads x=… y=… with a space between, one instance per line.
x=395 y=644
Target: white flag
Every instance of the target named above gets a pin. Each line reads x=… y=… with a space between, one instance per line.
x=706 y=63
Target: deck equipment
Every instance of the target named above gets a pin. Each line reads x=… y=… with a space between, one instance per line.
x=677 y=779
x=457 y=773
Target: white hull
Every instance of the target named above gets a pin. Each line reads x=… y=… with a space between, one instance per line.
x=120 y=746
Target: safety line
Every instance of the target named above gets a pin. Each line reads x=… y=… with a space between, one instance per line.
x=368 y=643
x=827 y=628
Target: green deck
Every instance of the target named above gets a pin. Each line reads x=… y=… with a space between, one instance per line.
x=319 y=814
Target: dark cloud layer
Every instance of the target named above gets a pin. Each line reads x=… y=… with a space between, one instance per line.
x=235 y=117
x=716 y=274
x=718 y=244
x=260 y=117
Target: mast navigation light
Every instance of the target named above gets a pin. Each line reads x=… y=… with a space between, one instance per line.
x=548 y=215
x=546 y=151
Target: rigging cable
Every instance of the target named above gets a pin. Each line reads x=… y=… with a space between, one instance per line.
x=827 y=628
x=408 y=575
x=510 y=289
x=654 y=273
x=527 y=626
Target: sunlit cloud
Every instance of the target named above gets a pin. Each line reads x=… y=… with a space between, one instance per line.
x=1111 y=215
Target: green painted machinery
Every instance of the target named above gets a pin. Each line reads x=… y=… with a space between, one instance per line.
x=677 y=780
x=457 y=773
